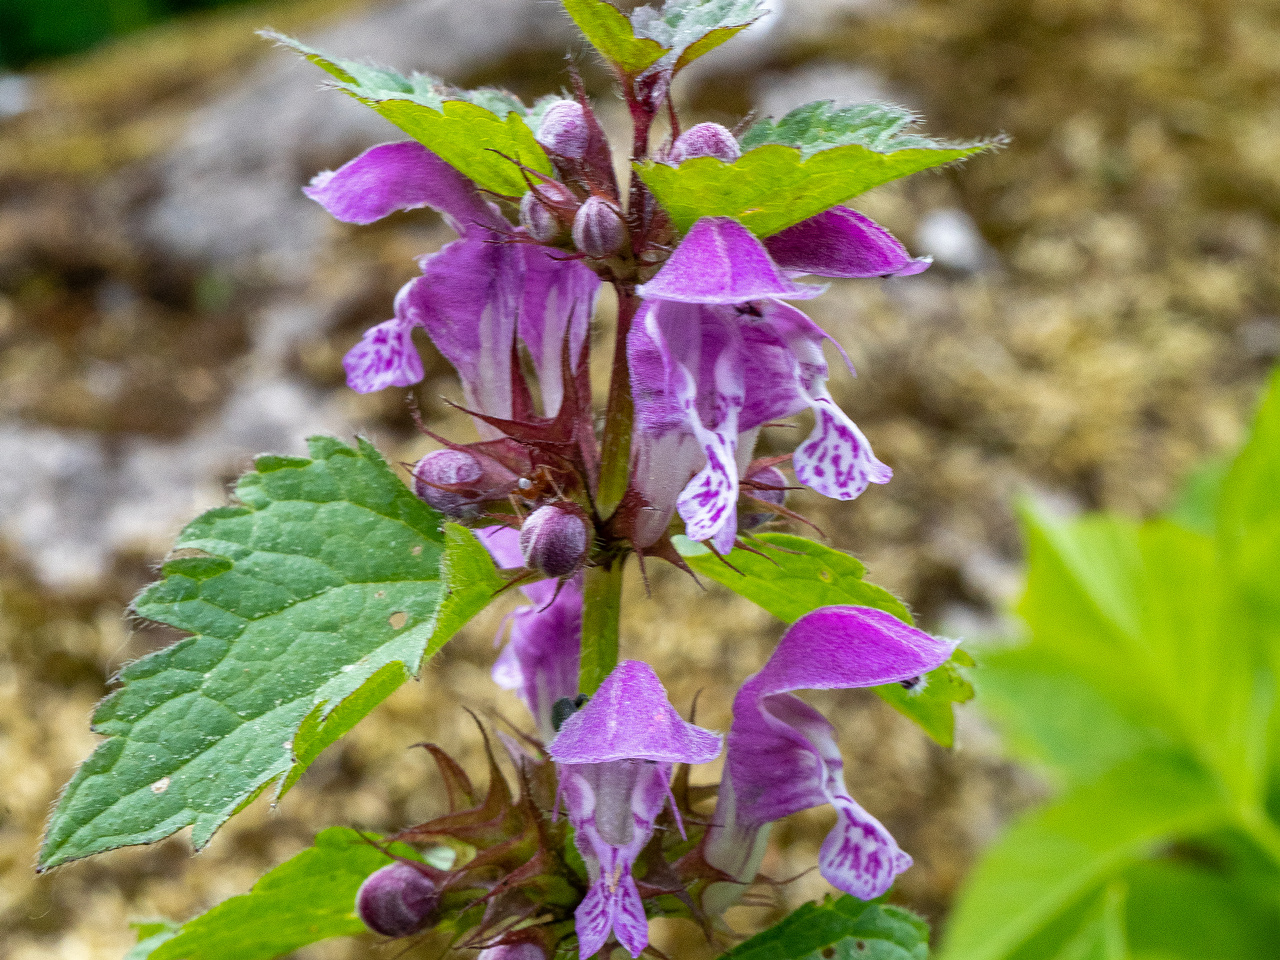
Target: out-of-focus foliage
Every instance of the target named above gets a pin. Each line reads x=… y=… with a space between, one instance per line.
x=35 y=29
x=1148 y=688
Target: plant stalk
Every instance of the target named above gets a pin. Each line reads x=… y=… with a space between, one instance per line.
x=602 y=595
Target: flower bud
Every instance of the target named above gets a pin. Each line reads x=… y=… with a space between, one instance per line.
x=537 y=218
x=564 y=130
x=598 y=230
x=555 y=539
x=397 y=900
x=435 y=473
x=771 y=490
x=513 y=951
x=705 y=140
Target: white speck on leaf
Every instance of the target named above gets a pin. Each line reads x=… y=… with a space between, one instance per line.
x=160 y=786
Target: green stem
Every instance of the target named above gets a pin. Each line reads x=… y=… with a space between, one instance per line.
x=615 y=454
x=602 y=594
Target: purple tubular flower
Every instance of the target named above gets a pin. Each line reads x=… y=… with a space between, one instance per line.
x=842 y=243
x=783 y=756
x=705 y=379
x=615 y=757
x=397 y=900
x=721 y=262
x=474 y=296
x=540 y=660
x=688 y=378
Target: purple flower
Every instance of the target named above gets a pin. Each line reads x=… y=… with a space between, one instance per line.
x=615 y=759
x=783 y=756
x=474 y=296
x=540 y=660
x=715 y=354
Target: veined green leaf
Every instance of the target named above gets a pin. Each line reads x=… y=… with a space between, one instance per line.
x=304 y=900
x=798 y=576
x=1058 y=856
x=481 y=133
x=307 y=605
x=773 y=187
x=610 y=32
x=822 y=125
x=840 y=929
x=678 y=34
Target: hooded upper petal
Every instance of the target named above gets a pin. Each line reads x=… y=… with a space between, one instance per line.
x=782 y=753
x=630 y=718
x=721 y=262
x=841 y=242
x=400 y=176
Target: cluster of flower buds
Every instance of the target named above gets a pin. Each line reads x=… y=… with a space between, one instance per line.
x=583 y=208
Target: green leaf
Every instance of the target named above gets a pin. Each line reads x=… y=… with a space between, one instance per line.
x=797 y=576
x=1060 y=855
x=842 y=929
x=304 y=900
x=1055 y=717
x=150 y=935
x=309 y=603
x=481 y=133
x=1180 y=910
x=1249 y=522
x=774 y=187
x=1197 y=505
x=678 y=34
x=610 y=32
x=822 y=125
x=687 y=29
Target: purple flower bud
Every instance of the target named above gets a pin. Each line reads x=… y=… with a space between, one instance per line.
x=598 y=230
x=705 y=140
x=555 y=539
x=771 y=490
x=397 y=900
x=537 y=218
x=513 y=951
x=438 y=471
x=564 y=130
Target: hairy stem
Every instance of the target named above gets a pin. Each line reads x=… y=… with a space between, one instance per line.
x=615 y=454
x=603 y=602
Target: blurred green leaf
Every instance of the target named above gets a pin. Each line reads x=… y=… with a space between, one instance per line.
x=840 y=929
x=822 y=125
x=796 y=576
x=1058 y=856
x=678 y=34
x=610 y=32
x=307 y=605
x=481 y=133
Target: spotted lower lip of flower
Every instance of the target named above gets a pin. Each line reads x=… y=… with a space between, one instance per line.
x=783 y=757
x=615 y=759
x=474 y=297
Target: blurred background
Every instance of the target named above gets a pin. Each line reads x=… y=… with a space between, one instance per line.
x=1101 y=313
